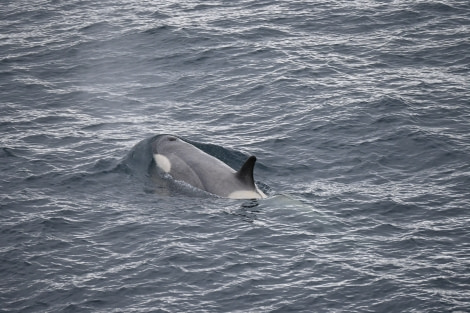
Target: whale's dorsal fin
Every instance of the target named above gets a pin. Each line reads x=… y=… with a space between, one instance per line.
x=245 y=174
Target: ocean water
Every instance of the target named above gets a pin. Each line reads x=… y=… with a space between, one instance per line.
x=358 y=113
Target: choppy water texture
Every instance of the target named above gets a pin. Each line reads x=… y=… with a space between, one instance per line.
x=358 y=112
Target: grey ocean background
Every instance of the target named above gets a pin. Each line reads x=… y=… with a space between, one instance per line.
x=358 y=113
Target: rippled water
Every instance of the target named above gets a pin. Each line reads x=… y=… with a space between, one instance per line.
x=358 y=113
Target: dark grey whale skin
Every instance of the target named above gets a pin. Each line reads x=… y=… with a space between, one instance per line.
x=188 y=163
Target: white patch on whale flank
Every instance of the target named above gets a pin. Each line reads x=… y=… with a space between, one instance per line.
x=245 y=194
x=163 y=162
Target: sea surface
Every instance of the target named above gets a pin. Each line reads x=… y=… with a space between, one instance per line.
x=357 y=111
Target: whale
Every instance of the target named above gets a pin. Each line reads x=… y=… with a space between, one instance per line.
x=185 y=162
